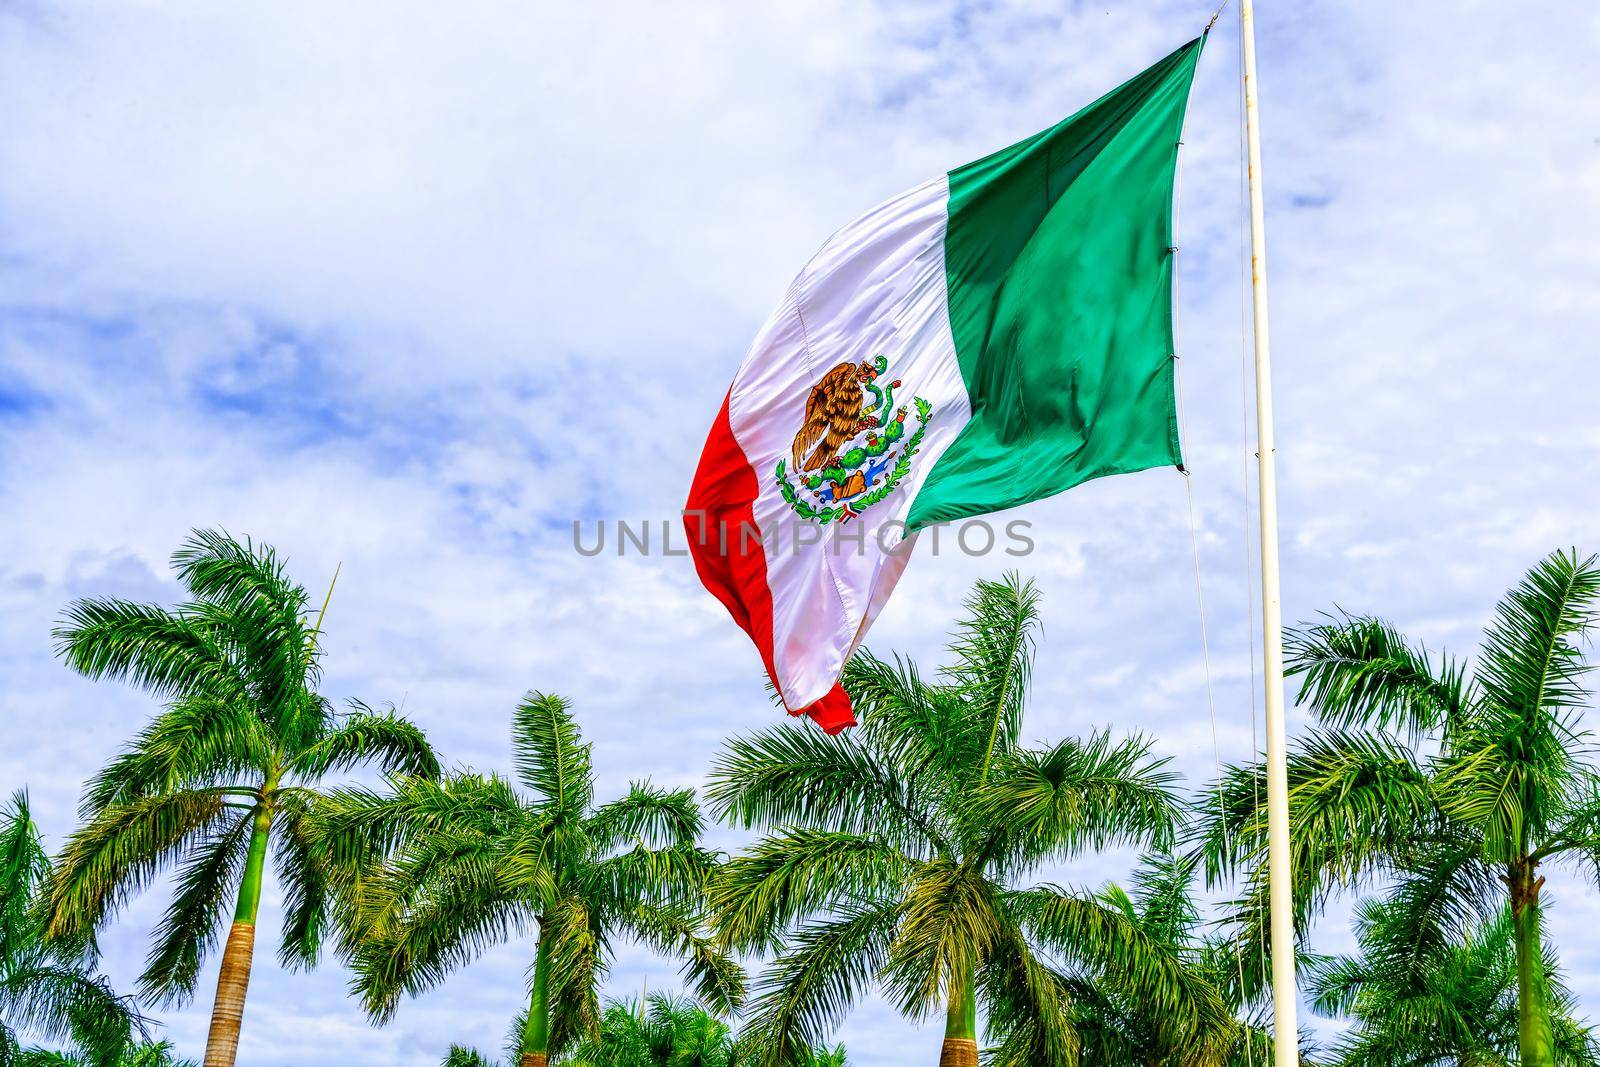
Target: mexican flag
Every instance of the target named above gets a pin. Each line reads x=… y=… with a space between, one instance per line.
x=996 y=335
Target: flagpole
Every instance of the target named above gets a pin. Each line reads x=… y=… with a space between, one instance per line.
x=1285 y=1029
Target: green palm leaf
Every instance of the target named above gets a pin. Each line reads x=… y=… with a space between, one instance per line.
x=188 y=931
x=993 y=653
x=393 y=744
x=1077 y=795
x=1359 y=671
x=784 y=776
x=825 y=968
x=169 y=654
x=121 y=850
x=793 y=874
x=549 y=754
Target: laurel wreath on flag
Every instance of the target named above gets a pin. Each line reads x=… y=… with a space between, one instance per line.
x=902 y=467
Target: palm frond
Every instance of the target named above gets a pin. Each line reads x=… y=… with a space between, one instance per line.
x=417 y=873
x=1163 y=896
x=1359 y=807
x=385 y=740
x=1030 y=1018
x=550 y=755
x=1359 y=671
x=677 y=874
x=1079 y=794
x=809 y=989
x=67 y=1005
x=1355 y=795
x=119 y=851
x=198 y=741
x=189 y=929
x=1438 y=898
x=574 y=937
x=169 y=654
x=714 y=977
x=243 y=592
x=1185 y=1012
x=788 y=776
x=927 y=734
x=221 y=569
x=436 y=910
x=305 y=877
x=795 y=873
x=244 y=580
x=1453 y=997
x=1531 y=662
x=462 y=1056
x=1508 y=783
x=1333 y=984
x=1517 y=766
x=647 y=815
x=1576 y=837
x=1228 y=826
x=948 y=928
x=24 y=871
x=356 y=827
x=49 y=990
x=993 y=648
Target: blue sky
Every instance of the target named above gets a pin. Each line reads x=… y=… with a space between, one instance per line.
x=408 y=288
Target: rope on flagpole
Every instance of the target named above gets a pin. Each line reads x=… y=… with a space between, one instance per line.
x=1194 y=544
x=1188 y=474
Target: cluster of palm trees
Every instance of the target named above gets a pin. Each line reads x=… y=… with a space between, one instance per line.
x=904 y=857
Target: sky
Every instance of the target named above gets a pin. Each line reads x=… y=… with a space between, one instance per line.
x=408 y=289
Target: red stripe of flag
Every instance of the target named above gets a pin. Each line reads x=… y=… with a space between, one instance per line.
x=730 y=559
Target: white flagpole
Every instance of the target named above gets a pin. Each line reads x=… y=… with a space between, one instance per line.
x=1285 y=1029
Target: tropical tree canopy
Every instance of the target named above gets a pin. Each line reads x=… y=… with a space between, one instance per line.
x=1420 y=1001
x=1448 y=788
x=1116 y=1030
x=137 y=1054
x=663 y=1029
x=898 y=857
x=229 y=768
x=50 y=991
x=436 y=871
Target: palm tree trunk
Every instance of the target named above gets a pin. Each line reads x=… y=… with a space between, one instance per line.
x=227 y=1011
x=536 y=1034
x=960 y=1047
x=1535 y=1042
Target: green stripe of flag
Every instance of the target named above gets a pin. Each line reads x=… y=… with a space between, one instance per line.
x=1059 y=272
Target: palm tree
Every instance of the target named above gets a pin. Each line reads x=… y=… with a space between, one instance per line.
x=435 y=872
x=663 y=1031
x=893 y=856
x=1118 y=1031
x=50 y=991
x=141 y=1054
x=1428 y=1001
x=462 y=1056
x=1461 y=785
x=230 y=767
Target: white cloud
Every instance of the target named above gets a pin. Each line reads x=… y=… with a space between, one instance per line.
x=409 y=289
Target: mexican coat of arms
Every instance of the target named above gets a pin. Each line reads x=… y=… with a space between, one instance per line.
x=852 y=449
